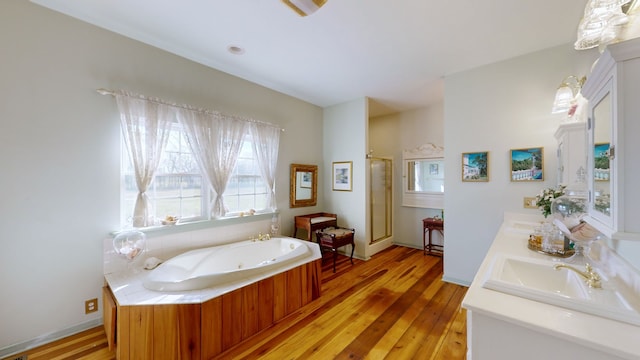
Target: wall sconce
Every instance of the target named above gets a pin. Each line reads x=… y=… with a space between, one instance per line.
x=566 y=94
x=602 y=22
x=304 y=7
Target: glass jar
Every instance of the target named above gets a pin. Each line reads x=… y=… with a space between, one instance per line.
x=129 y=244
x=536 y=237
x=570 y=209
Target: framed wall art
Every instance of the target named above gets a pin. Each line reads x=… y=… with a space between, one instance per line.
x=305 y=180
x=475 y=166
x=342 y=172
x=527 y=164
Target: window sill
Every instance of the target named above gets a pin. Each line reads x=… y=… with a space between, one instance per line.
x=159 y=230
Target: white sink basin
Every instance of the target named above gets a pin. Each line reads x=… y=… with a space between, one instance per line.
x=541 y=277
x=536 y=279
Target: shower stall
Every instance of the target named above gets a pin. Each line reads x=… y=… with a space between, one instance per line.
x=381 y=197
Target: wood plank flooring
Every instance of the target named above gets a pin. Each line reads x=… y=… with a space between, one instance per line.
x=394 y=306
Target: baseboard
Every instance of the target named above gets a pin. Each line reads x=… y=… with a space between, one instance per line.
x=413 y=246
x=445 y=278
x=21 y=347
x=455 y=281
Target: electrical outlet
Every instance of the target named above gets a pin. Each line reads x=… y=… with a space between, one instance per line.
x=530 y=203
x=90 y=306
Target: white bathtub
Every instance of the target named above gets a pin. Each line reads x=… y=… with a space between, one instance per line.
x=208 y=267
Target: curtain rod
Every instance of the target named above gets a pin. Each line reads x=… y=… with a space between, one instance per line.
x=103 y=91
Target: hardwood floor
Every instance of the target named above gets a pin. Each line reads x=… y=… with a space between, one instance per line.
x=394 y=306
x=87 y=345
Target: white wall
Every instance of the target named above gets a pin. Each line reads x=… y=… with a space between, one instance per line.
x=496 y=108
x=59 y=155
x=59 y=152
x=345 y=133
x=388 y=136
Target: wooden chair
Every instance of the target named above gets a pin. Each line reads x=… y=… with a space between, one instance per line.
x=332 y=238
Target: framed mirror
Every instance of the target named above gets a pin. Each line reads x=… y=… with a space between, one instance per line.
x=303 y=188
x=423 y=177
x=600 y=155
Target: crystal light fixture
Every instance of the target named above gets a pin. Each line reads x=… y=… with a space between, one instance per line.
x=601 y=23
x=304 y=7
x=566 y=94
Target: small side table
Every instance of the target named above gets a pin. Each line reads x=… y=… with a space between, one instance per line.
x=313 y=222
x=333 y=238
x=428 y=225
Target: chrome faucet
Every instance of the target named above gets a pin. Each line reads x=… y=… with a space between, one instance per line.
x=591 y=277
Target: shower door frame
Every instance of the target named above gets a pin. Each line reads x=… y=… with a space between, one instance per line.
x=388 y=162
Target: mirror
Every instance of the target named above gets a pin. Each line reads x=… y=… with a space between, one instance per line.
x=303 y=188
x=602 y=154
x=423 y=177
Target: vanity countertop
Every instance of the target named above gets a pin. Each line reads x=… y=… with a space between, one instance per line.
x=610 y=336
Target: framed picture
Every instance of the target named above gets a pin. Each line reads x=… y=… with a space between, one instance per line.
x=475 y=166
x=527 y=164
x=433 y=169
x=342 y=176
x=305 y=180
x=601 y=162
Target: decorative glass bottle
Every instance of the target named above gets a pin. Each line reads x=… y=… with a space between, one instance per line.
x=129 y=244
x=275 y=225
x=568 y=211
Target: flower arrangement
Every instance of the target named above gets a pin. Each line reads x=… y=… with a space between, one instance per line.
x=546 y=196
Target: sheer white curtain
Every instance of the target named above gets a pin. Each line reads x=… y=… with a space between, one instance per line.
x=215 y=140
x=146 y=126
x=266 y=141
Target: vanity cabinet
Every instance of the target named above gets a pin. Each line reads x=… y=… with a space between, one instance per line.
x=613 y=133
x=504 y=326
x=572 y=151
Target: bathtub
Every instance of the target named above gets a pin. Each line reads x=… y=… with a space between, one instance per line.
x=208 y=267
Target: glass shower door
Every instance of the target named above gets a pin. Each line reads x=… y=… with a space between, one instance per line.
x=381 y=198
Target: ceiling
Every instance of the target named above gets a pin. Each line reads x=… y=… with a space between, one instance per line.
x=394 y=52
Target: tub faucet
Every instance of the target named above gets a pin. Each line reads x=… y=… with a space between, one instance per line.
x=591 y=277
x=263 y=237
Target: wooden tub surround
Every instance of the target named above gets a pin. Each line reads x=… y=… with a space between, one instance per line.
x=393 y=306
x=204 y=330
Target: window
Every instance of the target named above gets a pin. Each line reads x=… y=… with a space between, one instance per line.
x=246 y=189
x=166 y=141
x=179 y=189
